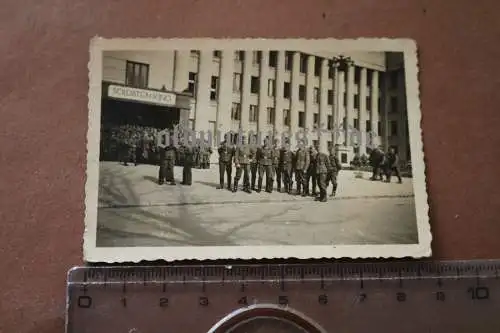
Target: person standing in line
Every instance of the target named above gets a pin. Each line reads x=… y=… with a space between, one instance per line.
x=311 y=172
x=167 y=162
x=254 y=165
x=225 y=164
x=187 y=170
x=276 y=166
x=335 y=168
x=322 y=166
x=392 y=165
x=286 y=167
x=301 y=165
x=265 y=163
x=242 y=157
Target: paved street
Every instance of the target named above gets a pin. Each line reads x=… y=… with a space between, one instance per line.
x=135 y=211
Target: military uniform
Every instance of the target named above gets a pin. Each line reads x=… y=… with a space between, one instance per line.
x=276 y=167
x=322 y=166
x=286 y=167
x=254 y=166
x=392 y=165
x=225 y=164
x=131 y=149
x=335 y=167
x=265 y=162
x=167 y=162
x=242 y=158
x=376 y=160
x=301 y=165
x=311 y=173
x=187 y=172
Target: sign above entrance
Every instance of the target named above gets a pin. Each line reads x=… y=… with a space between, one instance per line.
x=142 y=95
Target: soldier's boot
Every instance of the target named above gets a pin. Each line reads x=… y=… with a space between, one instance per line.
x=259 y=186
x=334 y=190
x=235 y=186
x=229 y=183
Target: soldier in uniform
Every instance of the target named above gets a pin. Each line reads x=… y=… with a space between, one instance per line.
x=311 y=172
x=276 y=165
x=301 y=165
x=225 y=164
x=265 y=162
x=167 y=162
x=392 y=165
x=376 y=159
x=207 y=153
x=131 y=148
x=286 y=167
x=254 y=164
x=322 y=166
x=335 y=167
x=242 y=158
x=187 y=172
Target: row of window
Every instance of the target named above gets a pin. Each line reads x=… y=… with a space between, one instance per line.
x=303 y=64
x=253 y=117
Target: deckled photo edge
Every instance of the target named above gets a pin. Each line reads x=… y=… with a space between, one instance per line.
x=135 y=254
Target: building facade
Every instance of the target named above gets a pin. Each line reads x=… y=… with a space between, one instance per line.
x=278 y=92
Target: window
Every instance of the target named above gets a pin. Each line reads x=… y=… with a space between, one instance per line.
x=329 y=144
x=368 y=103
x=214 y=84
x=379 y=128
x=195 y=53
x=271 y=87
x=239 y=55
x=316 y=119
x=368 y=126
x=330 y=97
x=356 y=123
x=253 y=115
x=256 y=57
x=303 y=63
x=236 y=111
x=379 y=104
x=394 y=128
x=344 y=123
x=271 y=115
x=217 y=54
x=345 y=98
x=273 y=59
x=343 y=158
x=288 y=60
x=357 y=75
x=317 y=67
x=394 y=104
x=192 y=78
x=302 y=92
x=329 y=126
x=331 y=72
x=394 y=79
x=302 y=119
x=316 y=95
x=237 y=82
x=356 y=101
x=191 y=124
x=137 y=74
x=286 y=117
x=254 y=85
x=369 y=77
x=287 y=90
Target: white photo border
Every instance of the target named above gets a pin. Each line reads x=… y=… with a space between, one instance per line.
x=408 y=47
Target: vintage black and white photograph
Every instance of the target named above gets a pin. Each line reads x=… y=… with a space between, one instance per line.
x=254 y=148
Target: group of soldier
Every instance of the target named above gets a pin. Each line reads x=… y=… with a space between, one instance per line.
x=385 y=164
x=310 y=168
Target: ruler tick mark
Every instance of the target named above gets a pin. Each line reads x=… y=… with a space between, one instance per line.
x=164 y=287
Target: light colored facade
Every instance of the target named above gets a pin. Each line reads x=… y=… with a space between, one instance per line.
x=266 y=91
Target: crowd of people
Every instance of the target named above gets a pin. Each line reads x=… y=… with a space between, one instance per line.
x=385 y=164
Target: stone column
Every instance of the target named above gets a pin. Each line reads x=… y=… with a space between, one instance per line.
x=203 y=91
x=225 y=103
x=349 y=110
x=362 y=116
x=310 y=107
x=263 y=94
x=279 y=101
x=245 y=92
x=181 y=70
x=374 y=109
x=324 y=84
x=294 y=100
x=339 y=120
x=385 y=111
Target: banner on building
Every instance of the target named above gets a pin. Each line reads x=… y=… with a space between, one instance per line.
x=142 y=95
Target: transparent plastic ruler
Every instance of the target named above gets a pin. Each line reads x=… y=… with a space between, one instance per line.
x=397 y=297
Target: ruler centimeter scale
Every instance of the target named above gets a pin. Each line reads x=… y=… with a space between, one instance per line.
x=455 y=297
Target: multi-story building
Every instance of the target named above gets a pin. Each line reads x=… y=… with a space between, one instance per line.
x=273 y=92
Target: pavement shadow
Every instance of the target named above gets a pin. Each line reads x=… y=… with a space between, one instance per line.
x=186 y=227
x=151 y=179
x=210 y=184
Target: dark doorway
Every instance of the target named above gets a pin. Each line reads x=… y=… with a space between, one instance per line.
x=122 y=120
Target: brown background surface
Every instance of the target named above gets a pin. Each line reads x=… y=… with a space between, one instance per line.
x=43 y=89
